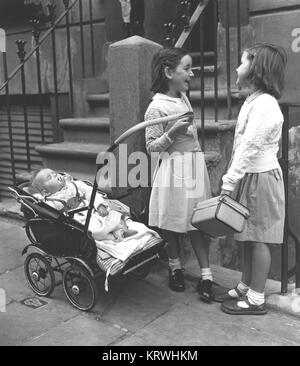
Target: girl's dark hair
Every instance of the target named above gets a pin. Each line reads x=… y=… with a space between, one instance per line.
x=267 y=68
x=165 y=57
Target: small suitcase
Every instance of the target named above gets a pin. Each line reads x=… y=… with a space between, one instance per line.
x=220 y=216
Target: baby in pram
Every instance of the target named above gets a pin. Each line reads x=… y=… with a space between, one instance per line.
x=64 y=193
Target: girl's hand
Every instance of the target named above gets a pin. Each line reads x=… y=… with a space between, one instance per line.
x=224 y=191
x=179 y=128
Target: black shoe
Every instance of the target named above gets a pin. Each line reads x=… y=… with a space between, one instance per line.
x=176 y=280
x=204 y=289
x=231 y=307
x=224 y=296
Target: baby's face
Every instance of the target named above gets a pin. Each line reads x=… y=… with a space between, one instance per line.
x=50 y=181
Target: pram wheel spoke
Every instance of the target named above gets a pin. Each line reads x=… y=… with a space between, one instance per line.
x=39 y=274
x=80 y=288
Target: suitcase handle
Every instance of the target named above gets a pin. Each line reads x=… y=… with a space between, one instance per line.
x=235 y=205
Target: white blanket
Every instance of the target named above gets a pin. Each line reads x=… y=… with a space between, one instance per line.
x=122 y=250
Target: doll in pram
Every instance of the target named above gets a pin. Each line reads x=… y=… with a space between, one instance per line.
x=61 y=244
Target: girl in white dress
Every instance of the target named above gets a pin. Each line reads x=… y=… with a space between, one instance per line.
x=180 y=180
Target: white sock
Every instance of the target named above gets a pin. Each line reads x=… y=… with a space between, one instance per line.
x=242 y=287
x=254 y=298
x=174 y=263
x=206 y=274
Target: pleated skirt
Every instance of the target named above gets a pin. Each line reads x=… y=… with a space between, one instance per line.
x=263 y=194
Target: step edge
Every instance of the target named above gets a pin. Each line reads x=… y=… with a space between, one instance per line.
x=96 y=123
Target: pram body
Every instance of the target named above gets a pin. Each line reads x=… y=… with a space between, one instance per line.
x=61 y=244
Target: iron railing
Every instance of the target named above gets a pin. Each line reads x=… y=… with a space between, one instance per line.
x=61 y=23
x=286 y=271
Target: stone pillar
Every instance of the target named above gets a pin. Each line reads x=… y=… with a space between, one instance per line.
x=129 y=70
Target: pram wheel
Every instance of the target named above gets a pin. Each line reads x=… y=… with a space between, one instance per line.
x=79 y=287
x=39 y=274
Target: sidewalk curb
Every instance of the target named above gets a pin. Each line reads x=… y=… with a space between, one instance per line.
x=289 y=303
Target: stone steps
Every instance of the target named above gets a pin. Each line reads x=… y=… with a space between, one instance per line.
x=78 y=159
x=88 y=129
x=98 y=104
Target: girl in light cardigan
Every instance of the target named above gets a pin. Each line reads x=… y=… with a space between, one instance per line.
x=254 y=176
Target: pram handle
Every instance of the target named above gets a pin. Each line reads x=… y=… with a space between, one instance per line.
x=143 y=125
x=20 y=198
x=124 y=136
x=152 y=122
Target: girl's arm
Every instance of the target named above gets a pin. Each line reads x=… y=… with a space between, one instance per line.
x=263 y=128
x=157 y=140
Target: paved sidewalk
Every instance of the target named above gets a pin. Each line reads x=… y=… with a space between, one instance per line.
x=135 y=312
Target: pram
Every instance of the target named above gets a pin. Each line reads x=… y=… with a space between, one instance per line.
x=63 y=245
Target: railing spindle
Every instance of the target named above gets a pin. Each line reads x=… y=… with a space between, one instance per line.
x=215 y=11
x=66 y=4
x=92 y=37
x=202 y=82
x=228 y=60
x=9 y=122
x=52 y=19
x=21 y=54
x=81 y=39
x=238 y=23
x=36 y=34
x=186 y=4
x=285 y=172
x=169 y=39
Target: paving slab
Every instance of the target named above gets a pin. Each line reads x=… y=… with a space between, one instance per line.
x=12 y=241
x=284 y=325
x=21 y=323
x=15 y=285
x=204 y=328
x=139 y=303
x=79 y=331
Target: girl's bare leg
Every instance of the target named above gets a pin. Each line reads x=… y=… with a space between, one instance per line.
x=247 y=262
x=200 y=245
x=261 y=263
x=172 y=239
x=176 y=279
